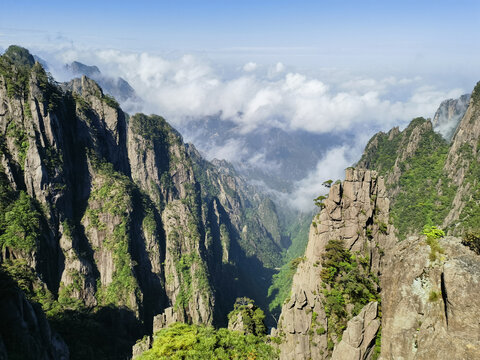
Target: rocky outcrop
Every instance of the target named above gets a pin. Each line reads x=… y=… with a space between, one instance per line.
x=355 y=212
x=120 y=214
x=429 y=307
x=116 y=87
x=462 y=165
x=163 y=320
x=141 y=346
x=449 y=114
x=359 y=336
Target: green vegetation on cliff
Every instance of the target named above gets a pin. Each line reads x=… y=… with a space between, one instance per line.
x=282 y=281
x=348 y=285
x=251 y=317
x=418 y=187
x=112 y=195
x=20 y=224
x=195 y=342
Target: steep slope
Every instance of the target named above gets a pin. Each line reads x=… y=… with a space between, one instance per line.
x=449 y=114
x=244 y=231
x=463 y=168
x=412 y=162
x=338 y=275
x=116 y=87
x=107 y=212
x=430 y=181
x=24 y=329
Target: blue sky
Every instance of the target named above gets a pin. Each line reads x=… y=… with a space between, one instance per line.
x=348 y=68
x=401 y=36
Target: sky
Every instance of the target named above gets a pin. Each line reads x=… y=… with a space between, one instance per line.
x=317 y=66
x=402 y=36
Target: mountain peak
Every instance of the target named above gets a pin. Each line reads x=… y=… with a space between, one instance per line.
x=19 y=56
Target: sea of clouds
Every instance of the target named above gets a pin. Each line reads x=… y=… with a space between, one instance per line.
x=256 y=97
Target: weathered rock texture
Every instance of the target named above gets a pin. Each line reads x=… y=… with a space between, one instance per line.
x=449 y=171
x=354 y=212
x=125 y=217
x=449 y=114
x=430 y=309
x=359 y=336
x=462 y=164
x=163 y=320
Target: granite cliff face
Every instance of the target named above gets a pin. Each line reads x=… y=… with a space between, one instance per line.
x=449 y=114
x=427 y=290
x=355 y=213
x=429 y=180
x=117 y=87
x=109 y=212
x=109 y=223
x=429 y=308
x=24 y=330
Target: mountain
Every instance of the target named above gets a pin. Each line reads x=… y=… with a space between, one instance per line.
x=117 y=238
x=338 y=275
x=275 y=157
x=117 y=87
x=368 y=285
x=108 y=219
x=449 y=114
x=429 y=180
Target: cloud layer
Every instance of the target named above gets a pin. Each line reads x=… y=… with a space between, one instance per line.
x=256 y=97
x=260 y=96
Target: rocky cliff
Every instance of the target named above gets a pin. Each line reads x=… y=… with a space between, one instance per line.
x=345 y=245
x=117 y=87
x=429 y=302
x=449 y=114
x=412 y=162
x=24 y=330
x=429 y=180
x=110 y=214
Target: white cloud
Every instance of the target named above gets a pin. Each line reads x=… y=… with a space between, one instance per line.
x=279 y=67
x=189 y=88
x=233 y=150
x=331 y=167
x=250 y=66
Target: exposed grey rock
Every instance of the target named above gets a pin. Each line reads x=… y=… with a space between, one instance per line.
x=361 y=203
x=449 y=114
x=141 y=346
x=169 y=316
x=359 y=336
x=429 y=309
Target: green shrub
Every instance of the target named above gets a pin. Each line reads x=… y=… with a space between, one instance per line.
x=184 y=342
x=433 y=296
x=319 y=201
x=472 y=240
x=21 y=226
x=252 y=316
x=433 y=234
x=110 y=101
x=348 y=280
